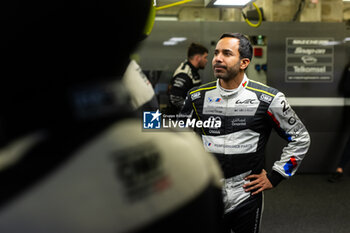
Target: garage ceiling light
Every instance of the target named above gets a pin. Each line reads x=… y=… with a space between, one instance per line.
x=174 y=41
x=228 y=3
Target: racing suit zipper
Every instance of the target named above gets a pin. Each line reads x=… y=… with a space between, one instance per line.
x=226 y=123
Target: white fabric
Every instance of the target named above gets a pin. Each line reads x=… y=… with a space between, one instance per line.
x=98 y=189
x=140 y=88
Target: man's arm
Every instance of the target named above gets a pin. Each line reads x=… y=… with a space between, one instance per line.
x=180 y=85
x=187 y=109
x=289 y=126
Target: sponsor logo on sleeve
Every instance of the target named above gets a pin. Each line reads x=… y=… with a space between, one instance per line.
x=292 y=120
x=265 y=98
x=179 y=82
x=290 y=166
x=297 y=130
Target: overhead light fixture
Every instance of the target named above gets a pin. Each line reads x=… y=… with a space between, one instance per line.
x=174 y=41
x=178 y=39
x=236 y=4
x=228 y=3
x=166 y=18
x=169 y=43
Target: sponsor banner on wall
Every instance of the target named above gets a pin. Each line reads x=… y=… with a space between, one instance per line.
x=309 y=60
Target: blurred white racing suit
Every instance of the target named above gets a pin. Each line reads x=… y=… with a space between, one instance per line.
x=104 y=174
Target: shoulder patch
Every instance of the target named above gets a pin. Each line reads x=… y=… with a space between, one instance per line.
x=195 y=95
x=266 y=98
x=185 y=69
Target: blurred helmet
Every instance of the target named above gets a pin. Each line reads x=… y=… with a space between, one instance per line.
x=50 y=47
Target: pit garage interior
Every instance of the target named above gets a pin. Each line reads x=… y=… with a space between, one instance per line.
x=307 y=202
x=300 y=47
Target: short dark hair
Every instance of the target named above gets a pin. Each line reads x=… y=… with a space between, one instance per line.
x=196 y=49
x=245 y=48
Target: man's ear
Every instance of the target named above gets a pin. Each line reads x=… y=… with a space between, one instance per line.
x=197 y=57
x=244 y=63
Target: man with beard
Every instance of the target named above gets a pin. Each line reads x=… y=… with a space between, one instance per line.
x=186 y=76
x=246 y=112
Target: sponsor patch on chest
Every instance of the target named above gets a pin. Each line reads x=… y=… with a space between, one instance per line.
x=239 y=122
x=195 y=96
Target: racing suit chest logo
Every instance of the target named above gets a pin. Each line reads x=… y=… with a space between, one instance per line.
x=237 y=122
x=243 y=103
x=247 y=101
x=214 y=100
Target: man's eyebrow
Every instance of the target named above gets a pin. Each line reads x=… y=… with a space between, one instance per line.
x=227 y=50
x=223 y=50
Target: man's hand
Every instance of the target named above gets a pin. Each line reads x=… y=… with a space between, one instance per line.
x=259 y=182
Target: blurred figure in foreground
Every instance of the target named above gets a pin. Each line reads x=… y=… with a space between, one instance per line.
x=72 y=157
x=140 y=88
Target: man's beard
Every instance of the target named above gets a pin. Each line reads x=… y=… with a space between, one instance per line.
x=231 y=72
x=201 y=65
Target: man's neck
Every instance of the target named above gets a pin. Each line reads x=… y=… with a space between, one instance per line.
x=232 y=83
x=193 y=63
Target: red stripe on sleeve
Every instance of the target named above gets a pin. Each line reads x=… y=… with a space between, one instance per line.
x=273 y=118
x=294 y=161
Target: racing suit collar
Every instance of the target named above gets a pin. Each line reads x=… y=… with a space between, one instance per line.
x=233 y=92
x=192 y=67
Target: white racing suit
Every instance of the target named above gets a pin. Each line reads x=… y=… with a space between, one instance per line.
x=140 y=88
x=247 y=115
